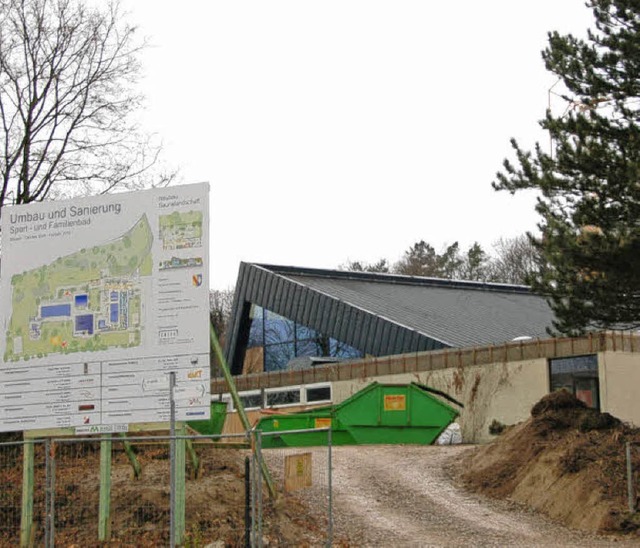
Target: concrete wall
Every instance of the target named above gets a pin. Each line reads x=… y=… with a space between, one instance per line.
x=619 y=374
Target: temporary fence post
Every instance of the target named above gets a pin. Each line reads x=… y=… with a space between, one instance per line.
x=330 y=487
x=630 y=489
x=260 y=476
x=247 y=502
x=254 y=490
x=26 y=519
x=104 y=512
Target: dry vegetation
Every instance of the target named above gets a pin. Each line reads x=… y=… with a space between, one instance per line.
x=215 y=500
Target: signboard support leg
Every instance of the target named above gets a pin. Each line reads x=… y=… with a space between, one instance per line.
x=26 y=520
x=180 y=485
x=172 y=461
x=104 y=519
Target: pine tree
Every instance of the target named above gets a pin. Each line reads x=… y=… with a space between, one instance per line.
x=590 y=183
x=421 y=259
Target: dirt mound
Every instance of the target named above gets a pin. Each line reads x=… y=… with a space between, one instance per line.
x=556 y=401
x=567 y=461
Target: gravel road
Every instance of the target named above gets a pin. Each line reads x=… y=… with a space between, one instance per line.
x=402 y=496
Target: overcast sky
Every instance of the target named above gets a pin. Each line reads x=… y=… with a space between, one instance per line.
x=348 y=130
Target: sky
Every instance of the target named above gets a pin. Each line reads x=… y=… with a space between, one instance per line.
x=345 y=130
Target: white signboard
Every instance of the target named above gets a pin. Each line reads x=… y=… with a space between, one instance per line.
x=101 y=298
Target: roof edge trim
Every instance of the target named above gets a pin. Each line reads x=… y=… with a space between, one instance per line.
x=283 y=270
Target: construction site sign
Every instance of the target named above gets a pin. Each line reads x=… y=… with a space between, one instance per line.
x=101 y=299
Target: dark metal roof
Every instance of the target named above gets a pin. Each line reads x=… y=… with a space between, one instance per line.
x=384 y=314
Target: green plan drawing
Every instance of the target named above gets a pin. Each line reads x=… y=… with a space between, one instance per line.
x=181 y=230
x=87 y=301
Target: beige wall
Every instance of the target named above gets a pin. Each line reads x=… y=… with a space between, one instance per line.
x=503 y=391
x=620 y=384
x=495 y=382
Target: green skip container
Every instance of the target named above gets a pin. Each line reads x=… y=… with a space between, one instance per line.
x=379 y=413
x=213 y=426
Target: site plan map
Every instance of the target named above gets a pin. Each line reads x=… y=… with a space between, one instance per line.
x=87 y=301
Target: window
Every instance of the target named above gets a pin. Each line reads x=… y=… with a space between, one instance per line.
x=342 y=350
x=277 y=329
x=318 y=393
x=578 y=375
x=256 y=331
x=251 y=400
x=283 y=397
x=283 y=340
x=277 y=356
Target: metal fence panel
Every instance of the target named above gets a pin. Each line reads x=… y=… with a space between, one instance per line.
x=215 y=494
x=75 y=486
x=140 y=506
x=302 y=479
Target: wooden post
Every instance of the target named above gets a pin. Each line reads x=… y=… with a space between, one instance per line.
x=133 y=460
x=26 y=520
x=180 y=485
x=238 y=405
x=195 y=462
x=104 y=515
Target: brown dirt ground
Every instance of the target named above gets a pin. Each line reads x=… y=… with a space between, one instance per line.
x=140 y=507
x=566 y=460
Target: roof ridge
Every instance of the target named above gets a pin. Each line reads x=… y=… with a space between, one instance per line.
x=394 y=278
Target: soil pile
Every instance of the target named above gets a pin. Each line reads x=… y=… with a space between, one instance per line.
x=567 y=461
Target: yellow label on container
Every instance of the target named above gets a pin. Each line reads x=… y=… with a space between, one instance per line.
x=395 y=402
x=322 y=423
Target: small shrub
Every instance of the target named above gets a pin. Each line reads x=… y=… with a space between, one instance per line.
x=496 y=427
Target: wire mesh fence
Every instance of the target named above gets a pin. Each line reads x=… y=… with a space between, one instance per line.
x=301 y=479
x=78 y=494
x=11 y=481
x=632 y=459
x=118 y=491
x=216 y=498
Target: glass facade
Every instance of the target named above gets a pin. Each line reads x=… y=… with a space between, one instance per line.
x=284 y=340
x=578 y=375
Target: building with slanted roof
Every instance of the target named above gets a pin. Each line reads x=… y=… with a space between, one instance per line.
x=289 y=317
x=301 y=338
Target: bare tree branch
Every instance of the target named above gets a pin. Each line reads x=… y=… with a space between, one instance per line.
x=68 y=75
